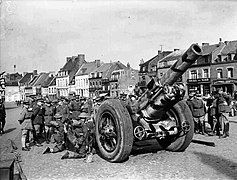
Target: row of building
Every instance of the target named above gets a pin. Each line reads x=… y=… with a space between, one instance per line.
x=217 y=67
x=77 y=77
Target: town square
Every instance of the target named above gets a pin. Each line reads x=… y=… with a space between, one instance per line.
x=118 y=90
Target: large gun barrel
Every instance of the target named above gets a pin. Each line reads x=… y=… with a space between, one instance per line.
x=180 y=66
x=166 y=95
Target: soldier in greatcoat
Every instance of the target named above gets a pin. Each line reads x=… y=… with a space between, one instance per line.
x=38 y=120
x=49 y=114
x=2 y=116
x=25 y=120
x=222 y=101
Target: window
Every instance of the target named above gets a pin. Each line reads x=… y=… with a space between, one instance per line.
x=219 y=73
x=161 y=74
x=193 y=74
x=205 y=73
x=230 y=72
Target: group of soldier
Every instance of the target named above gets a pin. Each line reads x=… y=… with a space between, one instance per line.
x=67 y=123
x=213 y=110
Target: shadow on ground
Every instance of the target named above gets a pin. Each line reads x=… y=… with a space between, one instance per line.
x=9 y=130
x=144 y=147
x=220 y=164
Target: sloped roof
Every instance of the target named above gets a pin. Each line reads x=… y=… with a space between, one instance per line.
x=47 y=81
x=231 y=47
x=86 y=68
x=173 y=56
x=208 y=49
x=108 y=68
x=26 y=78
x=53 y=82
x=33 y=80
x=40 y=80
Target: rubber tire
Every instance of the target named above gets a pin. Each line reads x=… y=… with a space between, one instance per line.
x=124 y=128
x=183 y=112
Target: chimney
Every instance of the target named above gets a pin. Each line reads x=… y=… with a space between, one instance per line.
x=97 y=62
x=220 y=41
x=176 y=49
x=73 y=58
x=34 y=72
x=205 y=44
x=128 y=65
x=68 y=59
x=81 y=57
x=141 y=61
x=226 y=42
x=24 y=73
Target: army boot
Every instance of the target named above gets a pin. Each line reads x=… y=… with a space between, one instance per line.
x=226 y=130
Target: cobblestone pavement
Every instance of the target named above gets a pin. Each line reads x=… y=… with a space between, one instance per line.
x=197 y=162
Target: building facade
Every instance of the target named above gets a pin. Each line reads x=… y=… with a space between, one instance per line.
x=82 y=78
x=65 y=79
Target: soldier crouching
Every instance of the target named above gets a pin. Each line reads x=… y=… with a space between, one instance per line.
x=78 y=138
x=59 y=136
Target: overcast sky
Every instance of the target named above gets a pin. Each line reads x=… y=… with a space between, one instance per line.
x=41 y=34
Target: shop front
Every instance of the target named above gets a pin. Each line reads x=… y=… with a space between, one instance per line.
x=201 y=85
x=227 y=85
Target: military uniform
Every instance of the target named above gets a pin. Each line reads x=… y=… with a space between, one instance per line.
x=38 y=120
x=2 y=117
x=222 y=112
x=78 y=138
x=49 y=113
x=59 y=136
x=75 y=108
x=26 y=124
x=198 y=110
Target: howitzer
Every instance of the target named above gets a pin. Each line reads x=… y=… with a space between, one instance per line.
x=159 y=113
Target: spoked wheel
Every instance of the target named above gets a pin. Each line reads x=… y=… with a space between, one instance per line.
x=181 y=114
x=113 y=130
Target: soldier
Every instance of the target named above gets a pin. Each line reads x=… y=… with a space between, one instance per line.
x=198 y=110
x=75 y=107
x=26 y=124
x=38 y=121
x=78 y=137
x=63 y=109
x=49 y=114
x=222 y=111
x=59 y=137
x=2 y=116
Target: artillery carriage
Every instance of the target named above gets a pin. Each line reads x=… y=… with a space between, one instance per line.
x=159 y=113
